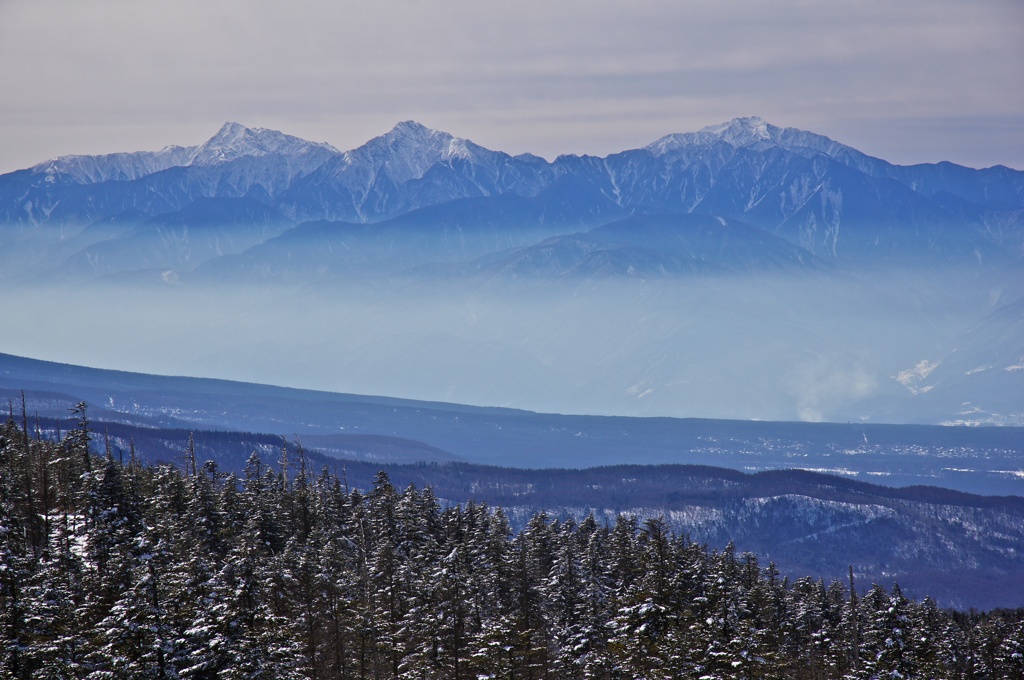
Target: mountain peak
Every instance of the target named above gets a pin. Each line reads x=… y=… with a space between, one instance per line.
x=754 y=131
x=738 y=132
x=409 y=134
x=235 y=140
x=743 y=131
x=409 y=149
x=231 y=127
x=412 y=127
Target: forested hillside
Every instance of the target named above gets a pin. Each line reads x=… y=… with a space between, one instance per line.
x=125 y=570
x=963 y=550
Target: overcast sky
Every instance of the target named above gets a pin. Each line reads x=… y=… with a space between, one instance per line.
x=909 y=81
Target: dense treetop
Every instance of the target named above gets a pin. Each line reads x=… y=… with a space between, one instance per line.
x=112 y=569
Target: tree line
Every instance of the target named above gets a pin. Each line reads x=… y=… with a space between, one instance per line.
x=114 y=569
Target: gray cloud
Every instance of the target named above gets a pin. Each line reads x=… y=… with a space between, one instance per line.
x=911 y=82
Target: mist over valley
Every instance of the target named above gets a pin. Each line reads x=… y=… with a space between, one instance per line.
x=743 y=271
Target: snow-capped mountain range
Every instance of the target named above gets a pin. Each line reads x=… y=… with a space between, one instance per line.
x=804 y=187
x=420 y=209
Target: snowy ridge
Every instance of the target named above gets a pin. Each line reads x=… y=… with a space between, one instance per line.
x=739 y=132
x=742 y=131
x=85 y=169
x=755 y=132
x=232 y=142
x=410 y=149
x=235 y=141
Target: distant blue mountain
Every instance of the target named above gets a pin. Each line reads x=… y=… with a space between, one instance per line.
x=829 y=199
x=455 y=231
x=178 y=240
x=648 y=246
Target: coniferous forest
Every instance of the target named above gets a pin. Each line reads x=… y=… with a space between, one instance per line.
x=114 y=569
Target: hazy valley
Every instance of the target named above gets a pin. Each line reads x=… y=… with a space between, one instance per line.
x=743 y=271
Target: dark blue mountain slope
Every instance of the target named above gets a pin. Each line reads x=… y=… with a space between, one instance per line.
x=455 y=231
x=982 y=459
x=646 y=247
x=178 y=240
